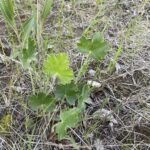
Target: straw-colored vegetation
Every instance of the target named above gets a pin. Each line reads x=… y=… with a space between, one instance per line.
x=74 y=74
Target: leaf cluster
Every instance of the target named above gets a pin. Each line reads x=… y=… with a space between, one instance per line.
x=56 y=66
x=67 y=90
x=96 y=47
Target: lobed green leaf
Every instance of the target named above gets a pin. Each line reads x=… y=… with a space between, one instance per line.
x=96 y=47
x=69 y=119
x=68 y=91
x=58 y=65
x=41 y=101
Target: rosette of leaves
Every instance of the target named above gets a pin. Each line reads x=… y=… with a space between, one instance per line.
x=41 y=101
x=57 y=65
x=96 y=47
x=69 y=119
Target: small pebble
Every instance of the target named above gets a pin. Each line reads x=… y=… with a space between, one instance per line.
x=91 y=72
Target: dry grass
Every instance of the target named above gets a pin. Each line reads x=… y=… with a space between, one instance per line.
x=125 y=93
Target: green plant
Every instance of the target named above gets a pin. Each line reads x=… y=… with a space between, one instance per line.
x=67 y=88
x=42 y=102
x=113 y=62
x=96 y=47
x=73 y=93
x=57 y=65
x=46 y=10
x=69 y=119
x=67 y=91
x=29 y=53
x=7 y=9
x=27 y=27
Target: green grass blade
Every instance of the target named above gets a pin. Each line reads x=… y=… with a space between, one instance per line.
x=112 y=63
x=46 y=10
x=27 y=27
x=7 y=9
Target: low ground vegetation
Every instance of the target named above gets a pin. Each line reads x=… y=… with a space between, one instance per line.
x=74 y=74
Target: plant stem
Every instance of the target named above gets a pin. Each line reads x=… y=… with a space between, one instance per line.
x=32 y=82
x=83 y=69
